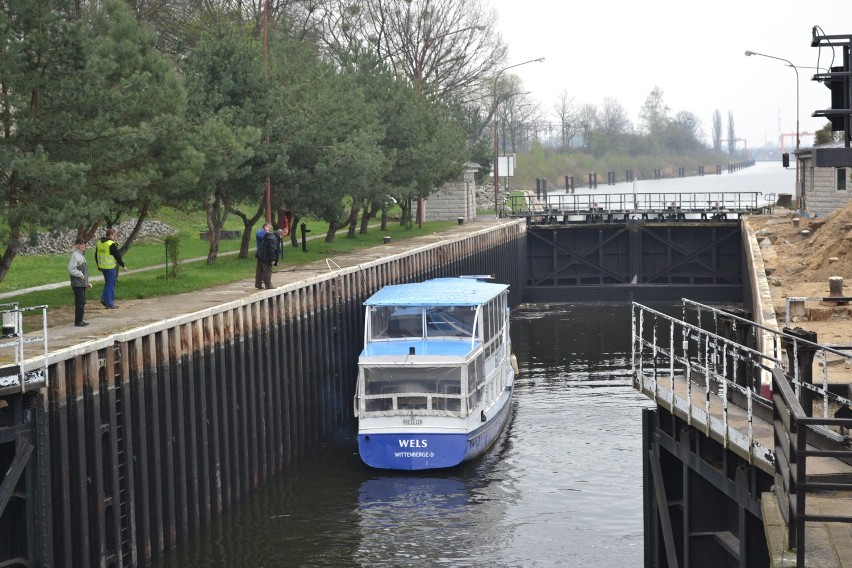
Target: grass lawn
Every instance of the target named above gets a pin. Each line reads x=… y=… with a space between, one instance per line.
x=28 y=271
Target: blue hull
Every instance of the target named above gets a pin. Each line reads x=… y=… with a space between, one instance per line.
x=417 y=451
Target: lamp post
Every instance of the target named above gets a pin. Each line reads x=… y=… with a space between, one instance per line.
x=421 y=55
x=268 y=191
x=796 y=69
x=494 y=125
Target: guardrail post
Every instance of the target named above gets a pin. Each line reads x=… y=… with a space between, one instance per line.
x=800 y=359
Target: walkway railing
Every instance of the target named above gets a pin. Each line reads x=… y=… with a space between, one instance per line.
x=794 y=439
x=675 y=206
x=711 y=354
x=13 y=376
x=687 y=368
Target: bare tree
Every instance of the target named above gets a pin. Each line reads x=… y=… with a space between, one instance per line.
x=587 y=119
x=732 y=136
x=717 y=130
x=612 y=120
x=445 y=46
x=566 y=115
x=688 y=123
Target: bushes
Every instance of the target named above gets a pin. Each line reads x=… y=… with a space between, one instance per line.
x=172 y=250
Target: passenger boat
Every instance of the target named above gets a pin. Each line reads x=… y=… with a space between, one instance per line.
x=436 y=374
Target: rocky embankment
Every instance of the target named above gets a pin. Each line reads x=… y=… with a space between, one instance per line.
x=63 y=241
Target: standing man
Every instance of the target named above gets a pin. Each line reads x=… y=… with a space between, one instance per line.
x=258 y=271
x=79 y=272
x=108 y=260
x=267 y=256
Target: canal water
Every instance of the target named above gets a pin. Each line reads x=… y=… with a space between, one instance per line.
x=562 y=487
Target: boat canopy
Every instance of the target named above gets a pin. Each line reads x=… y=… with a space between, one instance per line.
x=437 y=292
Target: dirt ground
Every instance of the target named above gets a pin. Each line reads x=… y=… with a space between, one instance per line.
x=800 y=255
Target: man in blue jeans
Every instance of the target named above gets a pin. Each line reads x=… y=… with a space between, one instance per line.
x=108 y=260
x=259 y=270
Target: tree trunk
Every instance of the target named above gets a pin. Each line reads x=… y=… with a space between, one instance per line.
x=352 y=221
x=405 y=217
x=294 y=232
x=248 y=226
x=143 y=214
x=12 y=250
x=329 y=235
x=217 y=213
x=368 y=213
x=384 y=226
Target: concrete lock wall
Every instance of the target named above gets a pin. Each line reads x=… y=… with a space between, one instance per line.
x=145 y=436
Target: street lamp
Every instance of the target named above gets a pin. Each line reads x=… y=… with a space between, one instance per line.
x=421 y=55
x=796 y=69
x=494 y=124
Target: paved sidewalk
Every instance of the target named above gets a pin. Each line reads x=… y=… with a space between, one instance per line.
x=134 y=313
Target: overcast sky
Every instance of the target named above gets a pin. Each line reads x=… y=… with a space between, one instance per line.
x=694 y=51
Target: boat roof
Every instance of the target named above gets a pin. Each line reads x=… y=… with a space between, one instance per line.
x=437 y=292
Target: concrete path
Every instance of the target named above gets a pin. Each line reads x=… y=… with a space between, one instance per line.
x=134 y=313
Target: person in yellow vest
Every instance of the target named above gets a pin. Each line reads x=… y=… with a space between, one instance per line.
x=108 y=259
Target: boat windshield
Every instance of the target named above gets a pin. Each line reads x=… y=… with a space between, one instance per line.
x=388 y=322
x=410 y=387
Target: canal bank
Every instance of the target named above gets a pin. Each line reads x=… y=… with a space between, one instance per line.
x=168 y=412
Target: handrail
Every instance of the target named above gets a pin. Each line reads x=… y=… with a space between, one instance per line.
x=687 y=351
x=791 y=453
x=673 y=203
x=702 y=348
x=13 y=317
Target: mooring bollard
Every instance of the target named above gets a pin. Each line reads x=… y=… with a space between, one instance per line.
x=796 y=221
x=835 y=286
x=388 y=239
x=461 y=220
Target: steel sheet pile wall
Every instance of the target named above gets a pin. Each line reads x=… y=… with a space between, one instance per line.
x=148 y=435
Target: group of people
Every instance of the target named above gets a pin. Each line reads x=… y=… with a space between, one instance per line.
x=269 y=251
x=108 y=259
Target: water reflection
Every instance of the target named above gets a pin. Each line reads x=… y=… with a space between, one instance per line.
x=562 y=487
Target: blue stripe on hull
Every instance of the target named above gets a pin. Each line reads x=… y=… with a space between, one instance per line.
x=426 y=450
x=412 y=451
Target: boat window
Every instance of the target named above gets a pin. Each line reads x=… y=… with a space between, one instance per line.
x=450 y=321
x=395 y=321
x=409 y=379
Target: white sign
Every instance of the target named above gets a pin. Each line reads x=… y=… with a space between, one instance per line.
x=505 y=166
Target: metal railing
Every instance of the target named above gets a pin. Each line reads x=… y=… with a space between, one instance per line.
x=15 y=373
x=666 y=350
x=673 y=204
x=794 y=432
x=713 y=346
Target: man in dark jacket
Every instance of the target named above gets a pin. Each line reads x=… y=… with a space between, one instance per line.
x=267 y=257
x=258 y=271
